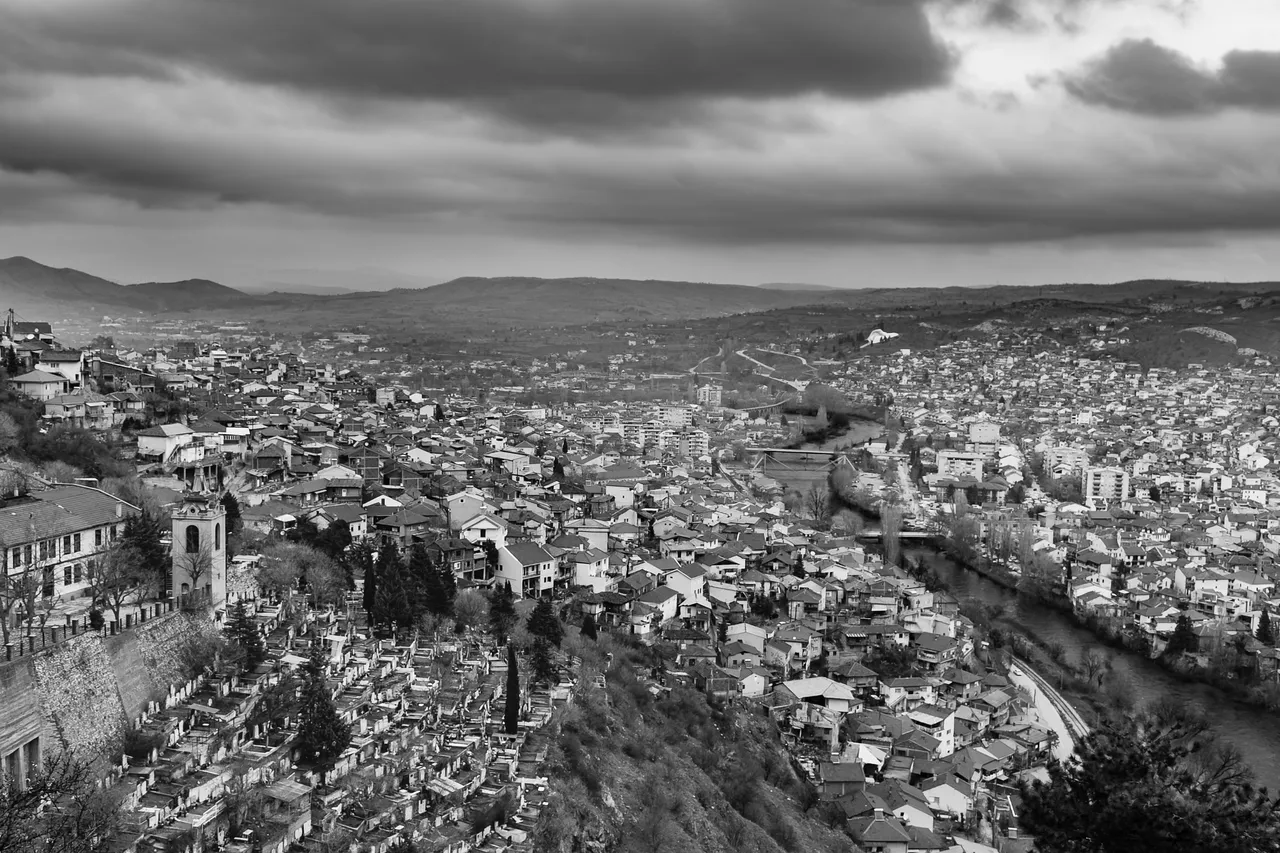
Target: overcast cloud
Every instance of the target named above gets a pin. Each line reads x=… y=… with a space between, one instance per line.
x=565 y=136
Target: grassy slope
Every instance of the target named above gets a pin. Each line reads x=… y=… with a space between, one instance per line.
x=631 y=773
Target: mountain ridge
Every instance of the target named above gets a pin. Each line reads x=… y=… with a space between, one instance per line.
x=529 y=301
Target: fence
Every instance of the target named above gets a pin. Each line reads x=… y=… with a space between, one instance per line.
x=38 y=638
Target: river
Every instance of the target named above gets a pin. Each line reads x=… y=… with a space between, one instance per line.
x=1256 y=733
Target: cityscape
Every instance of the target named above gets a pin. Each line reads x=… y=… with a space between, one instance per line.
x=209 y=537
x=639 y=426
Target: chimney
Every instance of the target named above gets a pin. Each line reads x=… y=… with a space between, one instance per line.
x=879 y=814
x=1012 y=833
x=119 y=510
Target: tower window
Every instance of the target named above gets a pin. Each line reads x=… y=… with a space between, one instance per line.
x=193 y=539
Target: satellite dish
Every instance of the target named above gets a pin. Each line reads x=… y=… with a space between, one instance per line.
x=31 y=337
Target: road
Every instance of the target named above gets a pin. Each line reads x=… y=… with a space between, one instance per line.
x=1052 y=709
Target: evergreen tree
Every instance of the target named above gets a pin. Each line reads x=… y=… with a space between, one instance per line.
x=448 y=584
x=564 y=446
x=722 y=630
x=427 y=595
x=142 y=533
x=322 y=735
x=334 y=539
x=544 y=624
x=502 y=612
x=439 y=412
x=370 y=582
x=1150 y=782
x=541 y=662
x=511 y=711
x=1266 y=634
x=242 y=631
x=1183 y=638
x=11 y=365
x=231 y=506
x=557 y=469
x=394 y=601
x=589 y=626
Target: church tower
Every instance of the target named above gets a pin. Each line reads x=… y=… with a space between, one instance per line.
x=199 y=553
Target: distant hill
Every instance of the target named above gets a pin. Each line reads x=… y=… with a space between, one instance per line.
x=24 y=282
x=184 y=295
x=796 y=285
x=482 y=304
x=30 y=287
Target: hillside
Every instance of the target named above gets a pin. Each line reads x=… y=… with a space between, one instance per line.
x=484 y=304
x=184 y=295
x=32 y=288
x=25 y=283
x=636 y=774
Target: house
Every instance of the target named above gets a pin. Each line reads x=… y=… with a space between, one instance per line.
x=838 y=780
x=753 y=682
x=818 y=690
x=906 y=693
x=528 y=568
x=949 y=794
x=880 y=832
x=161 y=443
x=55 y=536
x=40 y=385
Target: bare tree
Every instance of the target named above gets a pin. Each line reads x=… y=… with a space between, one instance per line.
x=470 y=608
x=1096 y=663
x=56 y=809
x=118 y=578
x=818 y=502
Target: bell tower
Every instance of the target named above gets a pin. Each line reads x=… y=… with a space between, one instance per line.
x=199 y=553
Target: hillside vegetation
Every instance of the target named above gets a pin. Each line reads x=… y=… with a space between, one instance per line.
x=637 y=770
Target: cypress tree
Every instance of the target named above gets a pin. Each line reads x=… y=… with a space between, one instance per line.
x=511 y=711
x=502 y=612
x=370 y=586
x=231 y=506
x=1266 y=634
x=544 y=624
x=589 y=626
x=1183 y=638
x=322 y=735
x=242 y=631
x=542 y=663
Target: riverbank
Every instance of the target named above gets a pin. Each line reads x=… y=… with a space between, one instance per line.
x=1052 y=709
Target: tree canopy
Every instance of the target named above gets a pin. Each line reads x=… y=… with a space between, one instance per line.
x=322 y=735
x=544 y=624
x=1155 y=781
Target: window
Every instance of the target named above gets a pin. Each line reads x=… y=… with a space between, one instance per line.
x=45 y=548
x=193 y=539
x=97 y=538
x=26 y=555
x=66 y=575
x=217 y=537
x=75 y=543
x=90 y=569
x=77 y=573
x=66 y=544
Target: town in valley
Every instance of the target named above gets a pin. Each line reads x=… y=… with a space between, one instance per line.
x=341 y=590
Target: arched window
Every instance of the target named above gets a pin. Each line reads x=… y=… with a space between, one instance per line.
x=217 y=537
x=193 y=539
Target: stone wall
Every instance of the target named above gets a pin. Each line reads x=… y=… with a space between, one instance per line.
x=84 y=692
x=78 y=696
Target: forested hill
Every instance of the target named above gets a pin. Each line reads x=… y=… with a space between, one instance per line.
x=637 y=773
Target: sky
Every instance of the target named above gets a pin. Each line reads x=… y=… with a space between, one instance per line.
x=850 y=143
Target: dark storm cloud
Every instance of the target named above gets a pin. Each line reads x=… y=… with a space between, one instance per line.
x=1140 y=76
x=500 y=51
